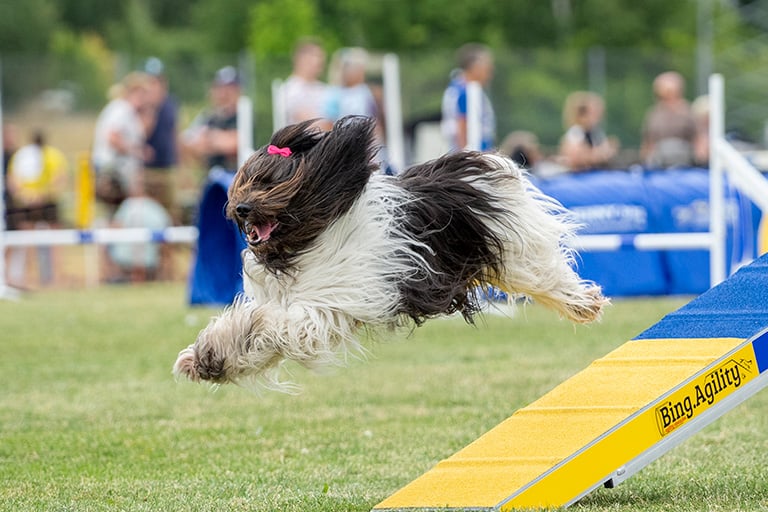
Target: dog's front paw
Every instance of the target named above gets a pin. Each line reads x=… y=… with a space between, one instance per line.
x=185 y=365
x=207 y=360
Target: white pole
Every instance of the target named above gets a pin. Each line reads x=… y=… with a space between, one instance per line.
x=2 y=196
x=717 y=220
x=393 y=112
x=279 y=108
x=244 y=129
x=474 y=116
x=6 y=292
x=743 y=175
x=100 y=236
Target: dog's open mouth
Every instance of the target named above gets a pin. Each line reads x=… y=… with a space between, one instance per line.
x=258 y=233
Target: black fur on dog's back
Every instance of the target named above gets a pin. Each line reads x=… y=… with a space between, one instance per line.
x=447 y=216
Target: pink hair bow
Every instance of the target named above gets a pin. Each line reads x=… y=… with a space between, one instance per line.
x=274 y=150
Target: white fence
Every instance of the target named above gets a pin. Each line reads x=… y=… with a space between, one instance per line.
x=100 y=236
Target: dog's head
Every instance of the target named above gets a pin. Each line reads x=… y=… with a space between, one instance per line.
x=288 y=192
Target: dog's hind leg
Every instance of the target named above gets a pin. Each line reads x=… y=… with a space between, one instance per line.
x=577 y=300
x=536 y=261
x=538 y=264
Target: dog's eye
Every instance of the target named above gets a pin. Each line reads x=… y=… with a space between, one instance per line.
x=265 y=180
x=279 y=176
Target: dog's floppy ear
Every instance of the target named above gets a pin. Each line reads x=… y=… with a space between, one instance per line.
x=337 y=169
x=300 y=138
x=347 y=150
x=329 y=178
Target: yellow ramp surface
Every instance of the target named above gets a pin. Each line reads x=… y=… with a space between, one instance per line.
x=581 y=434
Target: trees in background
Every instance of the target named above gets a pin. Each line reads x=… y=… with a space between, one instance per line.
x=394 y=25
x=82 y=37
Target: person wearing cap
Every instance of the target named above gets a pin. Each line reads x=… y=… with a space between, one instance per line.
x=161 y=155
x=212 y=136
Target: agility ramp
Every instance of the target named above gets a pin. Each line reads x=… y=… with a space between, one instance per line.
x=616 y=416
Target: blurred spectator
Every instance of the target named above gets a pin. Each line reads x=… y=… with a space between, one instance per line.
x=37 y=177
x=475 y=65
x=305 y=94
x=350 y=94
x=136 y=262
x=584 y=145
x=119 y=139
x=523 y=148
x=700 y=111
x=212 y=136
x=10 y=143
x=161 y=156
x=669 y=129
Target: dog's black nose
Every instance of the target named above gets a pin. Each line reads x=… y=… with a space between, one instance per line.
x=243 y=209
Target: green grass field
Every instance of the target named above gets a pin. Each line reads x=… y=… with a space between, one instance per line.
x=91 y=418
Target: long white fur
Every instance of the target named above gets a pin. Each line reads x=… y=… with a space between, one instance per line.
x=538 y=260
x=348 y=280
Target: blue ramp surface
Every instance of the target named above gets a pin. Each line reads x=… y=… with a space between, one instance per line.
x=737 y=307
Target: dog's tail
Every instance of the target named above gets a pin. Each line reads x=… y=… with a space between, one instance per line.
x=487 y=223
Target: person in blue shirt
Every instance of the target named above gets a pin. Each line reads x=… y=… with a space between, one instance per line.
x=475 y=65
x=161 y=153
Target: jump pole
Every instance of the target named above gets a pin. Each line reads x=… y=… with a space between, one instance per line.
x=6 y=292
x=393 y=112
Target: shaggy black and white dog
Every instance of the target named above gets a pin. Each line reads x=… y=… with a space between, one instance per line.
x=334 y=249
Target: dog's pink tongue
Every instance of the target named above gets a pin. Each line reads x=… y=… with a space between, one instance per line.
x=264 y=231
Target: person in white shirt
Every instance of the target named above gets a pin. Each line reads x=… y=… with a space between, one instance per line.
x=584 y=146
x=119 y=139
x=304 y=92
